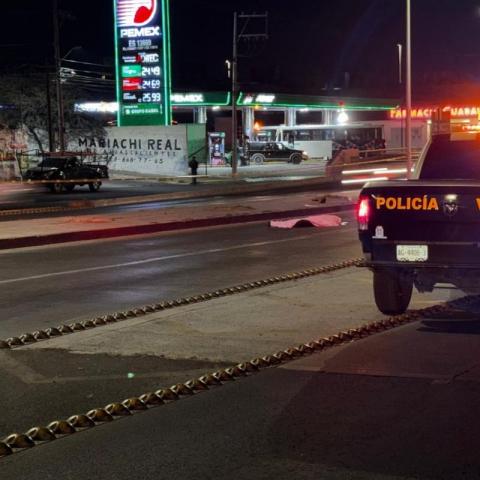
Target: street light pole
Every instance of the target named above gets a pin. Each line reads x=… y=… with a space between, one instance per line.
x=400 y=81
x=243 y=35
x=58 y=66
x=400 y=49
x=234 y=97
x=409 y=92
x=51 y=136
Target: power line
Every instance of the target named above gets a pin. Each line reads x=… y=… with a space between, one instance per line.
x=89 y=63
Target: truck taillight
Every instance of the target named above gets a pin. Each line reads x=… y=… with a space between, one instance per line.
x=363 y=213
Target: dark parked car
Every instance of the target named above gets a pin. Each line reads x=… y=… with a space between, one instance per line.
x=259 y=152
x=63 y=173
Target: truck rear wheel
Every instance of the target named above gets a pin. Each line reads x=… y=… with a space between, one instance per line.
x=296 y=158
x=392 y=291
x=258 y=158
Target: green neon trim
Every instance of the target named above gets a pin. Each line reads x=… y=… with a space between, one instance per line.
x=205 y=104
x=169 y=64
x=117 y=65
x=165 y=117
x=166 y=62
x=318 y=106
x=325 y=106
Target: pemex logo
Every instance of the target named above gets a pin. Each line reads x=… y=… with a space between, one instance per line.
x=136 y=13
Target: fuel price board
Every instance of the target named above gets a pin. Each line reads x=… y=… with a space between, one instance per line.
x=142 y=46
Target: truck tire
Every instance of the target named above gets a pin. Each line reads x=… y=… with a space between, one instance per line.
x=94 y=186
x=258 y=158
x=392 y=291
x=296 y=158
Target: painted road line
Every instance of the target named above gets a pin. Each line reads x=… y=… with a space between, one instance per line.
x=160 y=259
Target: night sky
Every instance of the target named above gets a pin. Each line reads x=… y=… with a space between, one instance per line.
x=312 y=42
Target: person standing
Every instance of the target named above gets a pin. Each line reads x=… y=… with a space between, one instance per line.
x=193 y=164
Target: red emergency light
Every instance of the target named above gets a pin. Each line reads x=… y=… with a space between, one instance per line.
x=363 y=213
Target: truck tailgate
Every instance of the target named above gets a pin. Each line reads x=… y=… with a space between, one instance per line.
x=443 y=215
x=425 y=211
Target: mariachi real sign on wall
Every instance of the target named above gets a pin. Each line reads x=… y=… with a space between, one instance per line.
x=144 y=150
x=142 y=53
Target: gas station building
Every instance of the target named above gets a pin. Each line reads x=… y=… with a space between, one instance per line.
x=205 y=107
x=333 y=110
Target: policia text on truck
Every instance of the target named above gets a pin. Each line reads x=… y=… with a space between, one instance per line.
x=424 y=231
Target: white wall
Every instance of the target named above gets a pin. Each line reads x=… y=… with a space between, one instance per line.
x=143 y=150
x=394 y=130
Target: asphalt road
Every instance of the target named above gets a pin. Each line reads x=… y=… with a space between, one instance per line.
x=297 y=200
x=46 y=286
x=43 y=287
x=397 y=405
x=24 y=196
x=27 y=196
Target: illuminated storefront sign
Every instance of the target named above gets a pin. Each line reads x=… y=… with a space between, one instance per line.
x=200 y=99
x=184 y=98
x=97 y=107
x=282 y=100
x=136 y=12
x=215 y=99
x=142 y=52
x=261 y=98
x=427 y=113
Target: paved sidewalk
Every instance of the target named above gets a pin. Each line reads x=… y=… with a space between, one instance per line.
x=268 y=170
x=243 y=326
x=343 y=413
x=23 y=198
x=60 y=229
x=76 y=372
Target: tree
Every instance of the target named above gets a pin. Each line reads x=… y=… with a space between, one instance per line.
x=25 y=99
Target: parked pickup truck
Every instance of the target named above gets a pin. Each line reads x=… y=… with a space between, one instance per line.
x=63 y=173
x=259 y=152
x=424 y=231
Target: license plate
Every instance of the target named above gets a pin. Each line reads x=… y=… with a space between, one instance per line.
x=412 y=253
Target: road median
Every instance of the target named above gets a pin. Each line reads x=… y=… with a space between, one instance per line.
x=226 y=188
x=133 y=225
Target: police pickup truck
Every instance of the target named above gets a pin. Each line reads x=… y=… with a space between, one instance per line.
x=424 y=231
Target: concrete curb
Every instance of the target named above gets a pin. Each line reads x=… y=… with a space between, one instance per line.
x=223 y=190
x=284 y=186
x=83 y=235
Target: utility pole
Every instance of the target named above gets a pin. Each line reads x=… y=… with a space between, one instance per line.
x=58 y=67
x=400 y=81
x=244 y=34
x=400 y=48
x=234 y=98
x=51 y=138
x=408 y=123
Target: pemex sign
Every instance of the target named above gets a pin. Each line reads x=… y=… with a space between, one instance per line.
x=142 y=54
